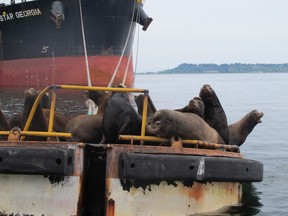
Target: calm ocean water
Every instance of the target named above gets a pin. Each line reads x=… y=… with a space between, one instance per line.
x=238 y=94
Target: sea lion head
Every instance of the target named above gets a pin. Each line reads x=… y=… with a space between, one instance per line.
x=30 y=92
x=96 y=96
x=208 y=95
x=255 y=116
x=159 y=124
x=125 y=95
x=139 y=100
x=196 y=106
x=30 y=96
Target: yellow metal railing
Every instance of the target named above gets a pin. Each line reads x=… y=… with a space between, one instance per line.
x=194 y=143
x=142 y=137
x=49 y=133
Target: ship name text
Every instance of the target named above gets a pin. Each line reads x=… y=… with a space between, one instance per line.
x=19 y=14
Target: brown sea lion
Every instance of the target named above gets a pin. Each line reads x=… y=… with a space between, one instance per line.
x=45 y=100
x=214 y=113
x=151 y=109
x=195 y=106
x=169 y=123
x=88 y=128
x=120 y=118
x=242 y=128
x=100 y=98
x=16 y=119
x=38 y=122
x=85 y=128
x=3 y=122
x=60 y=120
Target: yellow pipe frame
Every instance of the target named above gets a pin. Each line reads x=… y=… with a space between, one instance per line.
x=73 y=87
x=45 y=134
x=189 y=142
x=32 y=112
x=144 y=113
x=52 y=112
x=141 y=138
x=116 y=89
x=39 y=133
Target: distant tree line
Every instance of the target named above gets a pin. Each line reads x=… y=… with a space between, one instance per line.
x=226 y=68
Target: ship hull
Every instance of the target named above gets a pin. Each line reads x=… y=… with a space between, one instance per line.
x=43 y=72
x=66 y=42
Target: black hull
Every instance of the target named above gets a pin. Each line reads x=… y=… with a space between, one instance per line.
x=58 y=30
x=29 y=30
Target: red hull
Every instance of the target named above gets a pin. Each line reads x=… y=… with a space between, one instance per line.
x=43 y=72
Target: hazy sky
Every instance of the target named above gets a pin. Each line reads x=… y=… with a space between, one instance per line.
x=213 y=31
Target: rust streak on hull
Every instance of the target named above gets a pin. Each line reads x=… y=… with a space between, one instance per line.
x=43 y=72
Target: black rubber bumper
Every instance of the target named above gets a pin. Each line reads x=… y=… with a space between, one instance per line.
x=189 y=168
x=37 y=160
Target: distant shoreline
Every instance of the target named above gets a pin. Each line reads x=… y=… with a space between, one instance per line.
x=223 y=68
x=157 y=73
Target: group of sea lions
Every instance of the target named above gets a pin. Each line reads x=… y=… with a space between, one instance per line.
x=202 y=119
x=40 y=119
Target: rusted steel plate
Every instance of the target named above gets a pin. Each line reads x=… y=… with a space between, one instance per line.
x=36 y=194
x=39 y=195
x=114 y=151
x=165 y=196
x=169 y=198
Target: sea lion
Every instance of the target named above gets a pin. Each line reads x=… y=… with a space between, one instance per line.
x=100 y=98
x=242 y=128
x=151 y=109
x=45 y=100
x=16 y=119
x=85 y=128
x=195 y=106
x=3 y=122
x=88 y=128
x=38 y=122
x=214 y=113
x=60 y=120
x=169 y=123
x=94 y=98
x=3 y=125
x=120 y=118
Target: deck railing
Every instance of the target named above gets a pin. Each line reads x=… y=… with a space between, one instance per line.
x=175 y=141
